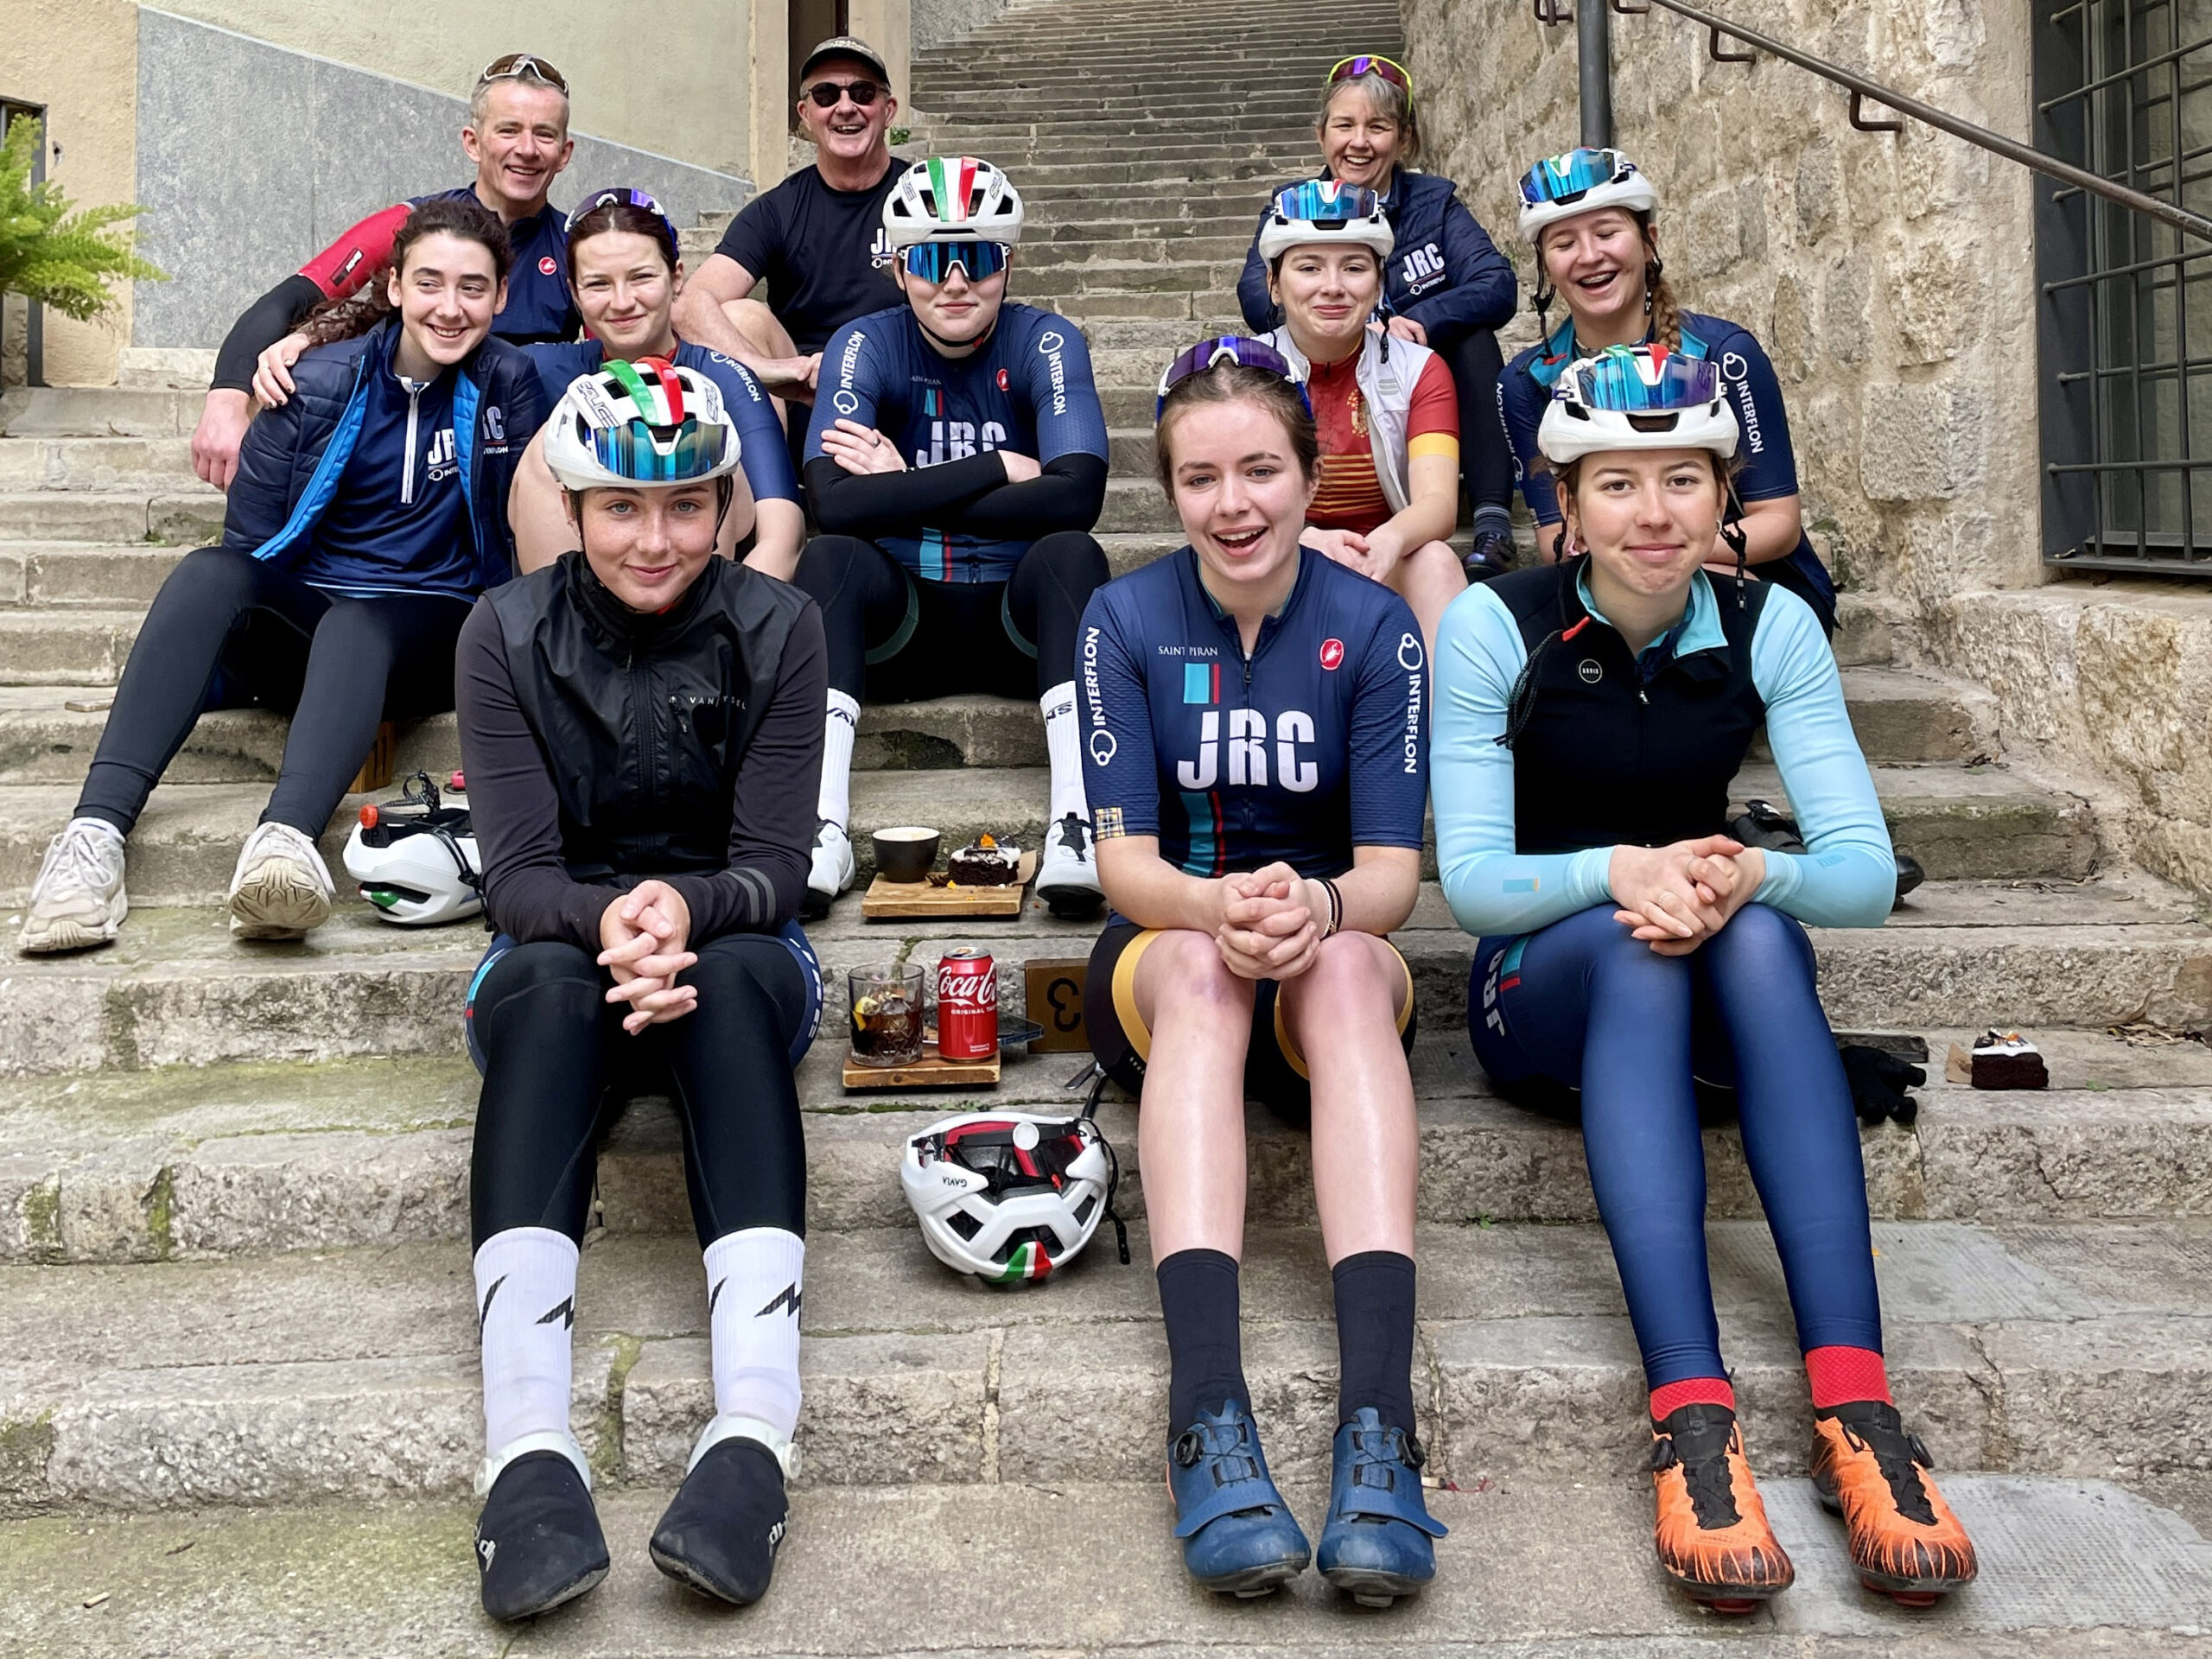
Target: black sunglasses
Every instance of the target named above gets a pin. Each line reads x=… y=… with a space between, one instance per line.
x=825 y=94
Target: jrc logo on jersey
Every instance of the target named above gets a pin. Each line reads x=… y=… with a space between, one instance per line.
x=1422 y=269
x=1248 y=751
x=957 y=440
x=439 y=457
x=1332 y=654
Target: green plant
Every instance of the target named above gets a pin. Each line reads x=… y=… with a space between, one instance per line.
x=52 y=253
x=901 y=135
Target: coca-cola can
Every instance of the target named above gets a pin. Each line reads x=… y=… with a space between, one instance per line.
x=967 y=1006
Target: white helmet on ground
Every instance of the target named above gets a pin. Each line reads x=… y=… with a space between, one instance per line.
x=1581 y=181
x=640 y=425
x=1637 y=398
x=416 y=858
x=1323 y=211
x=952 y=199
x=1010 y=1196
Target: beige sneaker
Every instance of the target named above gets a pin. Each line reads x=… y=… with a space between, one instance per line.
x=78 y=901
x=282 y=888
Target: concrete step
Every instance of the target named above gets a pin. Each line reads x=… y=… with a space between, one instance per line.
x=1129 y=277
x=1108 y=255
x=1019 y=1566
x=245 y=1158
x=97 y=412
x=84 y=575
x=158 y=464
x=1982 y=823
x=2078 y=1351
x=189 y=519
x=75 y=647
x=176 y=989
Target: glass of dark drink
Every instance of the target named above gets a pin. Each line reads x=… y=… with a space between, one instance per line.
x=886 y=1015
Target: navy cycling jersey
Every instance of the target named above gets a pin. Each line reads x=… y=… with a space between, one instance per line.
x=1770 y=466
x=763 y=453
x=1029 y=390
x=395 y=521
x=540 y=304
x=1315 y=745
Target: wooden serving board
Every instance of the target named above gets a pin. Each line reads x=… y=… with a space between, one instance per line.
x=929 y=1072
x=885 y=900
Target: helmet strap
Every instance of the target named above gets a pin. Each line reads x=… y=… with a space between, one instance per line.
x=1540 y=301
x=971 y=346
x=1733 y=532
x=1654 y=268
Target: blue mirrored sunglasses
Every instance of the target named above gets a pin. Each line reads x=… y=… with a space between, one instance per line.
x=644 y=456
x=1567 y=179
x=1624 y=381
x=933 y=261
x=1315 y=202
x=1228 y=348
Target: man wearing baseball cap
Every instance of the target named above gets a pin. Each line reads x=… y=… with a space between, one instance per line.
x=518 y=135
x=816 y=239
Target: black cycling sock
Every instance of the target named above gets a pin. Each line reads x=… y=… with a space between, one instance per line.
x=1205 y=1351
x=1374 y=1336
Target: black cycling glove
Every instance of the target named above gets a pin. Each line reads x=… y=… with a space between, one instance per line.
x=1878 y=1081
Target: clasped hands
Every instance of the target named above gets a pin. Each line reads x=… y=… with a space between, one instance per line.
x=1677 y=896
x=644 y=932
x=1272 y=921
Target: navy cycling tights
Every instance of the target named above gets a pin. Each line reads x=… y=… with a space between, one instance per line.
x=1584 y=1004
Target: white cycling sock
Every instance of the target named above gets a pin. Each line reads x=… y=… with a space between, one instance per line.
x=753 y=1297
x=835 y=804
x=97 y=826
x=525 y=1306
x=1062 y=741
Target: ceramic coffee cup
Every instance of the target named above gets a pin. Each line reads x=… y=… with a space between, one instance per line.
x=906 y=853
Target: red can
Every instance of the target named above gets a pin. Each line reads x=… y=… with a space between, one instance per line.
x=967 y=1006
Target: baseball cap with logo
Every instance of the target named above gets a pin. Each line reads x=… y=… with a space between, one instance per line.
x=846 y=46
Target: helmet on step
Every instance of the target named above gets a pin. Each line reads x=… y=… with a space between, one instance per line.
x=636 y=425
x=1323 y=211
x=1637 y=398
x=1008 y=1196
x=416 y=857
x=952 y=199
x=1581 y=181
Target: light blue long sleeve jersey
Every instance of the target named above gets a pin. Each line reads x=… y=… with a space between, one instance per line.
x=1847 y=879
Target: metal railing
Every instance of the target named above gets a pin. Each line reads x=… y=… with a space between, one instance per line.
x=2122 y=489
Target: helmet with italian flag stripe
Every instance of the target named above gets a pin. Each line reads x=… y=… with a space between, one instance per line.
x=952 y=199
x=1008 y=1197
x=642 y=425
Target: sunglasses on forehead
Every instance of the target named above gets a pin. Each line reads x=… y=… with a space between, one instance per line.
x=1367 y=64
x=523 y=66
x=599 y=199
x=1228 y=348
x=933 y=261
x=825 y=94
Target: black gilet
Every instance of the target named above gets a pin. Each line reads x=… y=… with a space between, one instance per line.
x=644 y=718
x=1608 y=758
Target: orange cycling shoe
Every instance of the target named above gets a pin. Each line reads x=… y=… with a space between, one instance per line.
x=1712 y=1533
x=1904 y=1540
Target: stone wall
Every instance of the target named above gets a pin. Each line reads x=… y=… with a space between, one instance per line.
x=1890 y=277
x=251 y=157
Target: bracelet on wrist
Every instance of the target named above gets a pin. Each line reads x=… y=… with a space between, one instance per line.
x=1336 y=909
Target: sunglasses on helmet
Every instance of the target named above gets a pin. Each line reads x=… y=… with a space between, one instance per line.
x=1565 y=179
x=660 y=455
x=825 y=94
x=1643 y=380
x=1315 y=202
x=933 y=261
x=1228 y=348
x=523 y=66
x=1367 y=64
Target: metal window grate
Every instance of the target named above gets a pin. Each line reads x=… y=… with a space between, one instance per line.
x=2124 y=89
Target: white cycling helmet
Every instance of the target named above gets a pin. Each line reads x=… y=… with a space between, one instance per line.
x=1637 y=398
x=636 y=425
x=952 y=199
x=416 y=858
x=1323 y=211
x=1010 y=1196
x=1581 y=181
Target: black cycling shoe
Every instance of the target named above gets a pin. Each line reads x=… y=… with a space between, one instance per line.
x=720 y=1534
x=1910 y=875
x=1491 y=556
x=1761 y=824
x=537 y=1541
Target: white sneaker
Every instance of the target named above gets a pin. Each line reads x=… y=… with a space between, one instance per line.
x=78 y=901
x=1067 y=875
x=831 y=871
x=282 y=888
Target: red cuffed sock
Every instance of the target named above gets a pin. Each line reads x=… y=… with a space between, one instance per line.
x=1840 y=1376
x=1670 y=1397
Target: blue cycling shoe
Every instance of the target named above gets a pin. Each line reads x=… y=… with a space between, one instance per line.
x=1376 y=1547
x=1239 y=1537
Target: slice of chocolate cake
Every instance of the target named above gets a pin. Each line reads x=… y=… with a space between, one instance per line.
x=2008 y=1060
x=984 y=863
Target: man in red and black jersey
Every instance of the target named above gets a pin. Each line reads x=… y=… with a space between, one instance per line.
x=518 y=135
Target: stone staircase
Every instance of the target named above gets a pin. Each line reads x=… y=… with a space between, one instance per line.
x=238 y=1375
